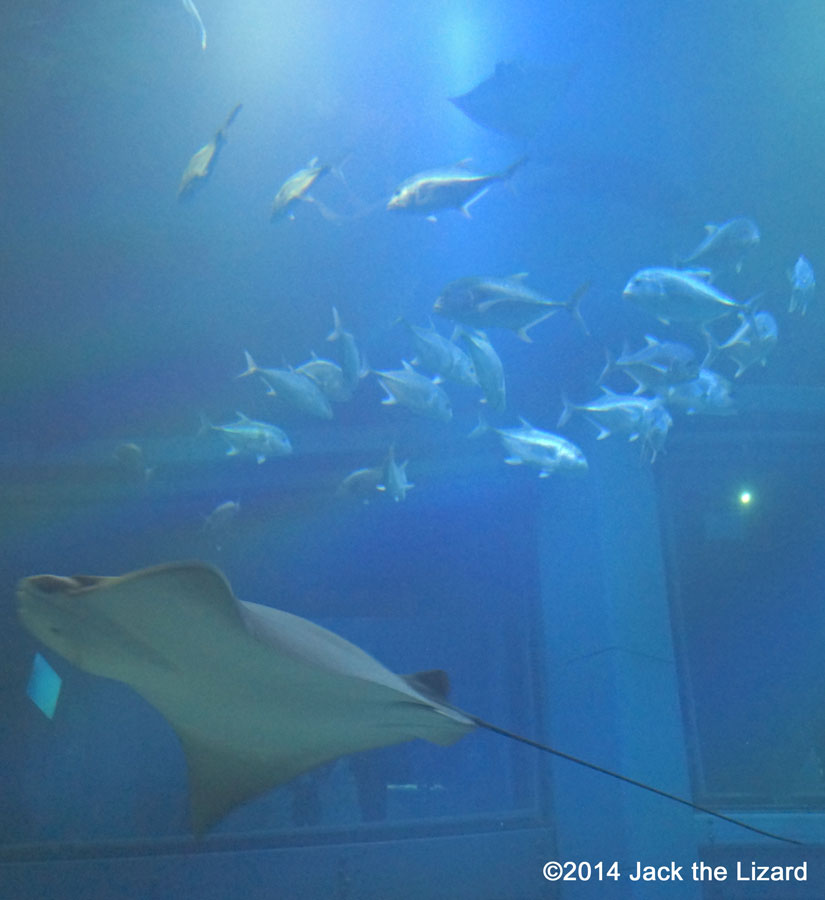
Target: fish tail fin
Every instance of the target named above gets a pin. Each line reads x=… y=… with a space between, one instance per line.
x=564 y=418
x=572 y=306
x=251 y=367
x=337 y=168
x=481 y=428
x=608 y=366
x=337 y=329
x=751 y=305
x=713 y=349
x=205 y=426
x=508 y=173
x=231 y=117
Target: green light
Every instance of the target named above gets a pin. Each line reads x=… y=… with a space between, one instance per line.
x=745 y=497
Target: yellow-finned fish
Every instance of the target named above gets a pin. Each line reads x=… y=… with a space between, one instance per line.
x=201 y=164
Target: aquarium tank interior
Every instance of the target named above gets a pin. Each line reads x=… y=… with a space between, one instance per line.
x=412 y=472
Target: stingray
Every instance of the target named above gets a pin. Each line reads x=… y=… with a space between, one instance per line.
x=256 y=695
x=518 y=99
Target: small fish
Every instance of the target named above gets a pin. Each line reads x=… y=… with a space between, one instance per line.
x=484 y=302
x=249 y=436
x=329 y=376
x=221 y=517
x=361 y=484
x=655 y=365
x=803 y=285
x=394 y=477
x=407 y=388
x=615 y=414
x=657 y=426
x=441 y=356
x=708 y=394
x=292 y=388
x=201 y=164
x=751 y=343
x=296 y=188
x=725 y=244
x=132 y=462
x=454 y=187
x=190 y=7
x=351 y=362
x=488 y=367
x=680 y=295
x=548 y=452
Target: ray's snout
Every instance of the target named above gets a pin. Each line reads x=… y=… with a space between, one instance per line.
x=46 y=584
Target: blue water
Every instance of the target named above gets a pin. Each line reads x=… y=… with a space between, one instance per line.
x=125 y=318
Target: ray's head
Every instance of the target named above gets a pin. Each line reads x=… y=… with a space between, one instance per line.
x=52 y=608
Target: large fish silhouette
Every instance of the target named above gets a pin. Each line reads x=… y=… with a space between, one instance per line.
x=256 y=695
x=518 y=99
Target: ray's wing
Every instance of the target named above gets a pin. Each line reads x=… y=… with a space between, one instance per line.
x=256 y=695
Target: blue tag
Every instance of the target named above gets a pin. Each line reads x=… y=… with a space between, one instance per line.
x=44 y=686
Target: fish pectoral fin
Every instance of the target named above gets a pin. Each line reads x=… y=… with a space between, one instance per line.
x=465 y=208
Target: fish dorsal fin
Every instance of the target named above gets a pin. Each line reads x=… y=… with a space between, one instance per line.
x=518 y=276
x=463 y=163
x=432 y=683
x=312 y=163
x=651 y=340
x=606 y=390
x=242 y=417
x=407 y=366
x=524 y=422
x=711 y=227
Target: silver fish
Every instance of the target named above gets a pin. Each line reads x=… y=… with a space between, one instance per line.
x=329 y=376
x=708 y=393
x=408 y=388
x=221 y=516
x=249 y=436
x=725 y=244
x=361 y=484
x=132 y=462
x=190 y=7
x=548 y=452
x=291 y=387
x=441 y=356
x=803 y=285
x=454 y=187
x=655 y=365
x=394 y=477
x=296 y=188
x=657 y=426
x=751 y=343
x=488 y=367
x=200 y=166
x=680 y=295
x=488 y=302
x=615 y=413
x=351 y=362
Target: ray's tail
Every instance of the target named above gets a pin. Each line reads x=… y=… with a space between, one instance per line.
x=632 y=781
